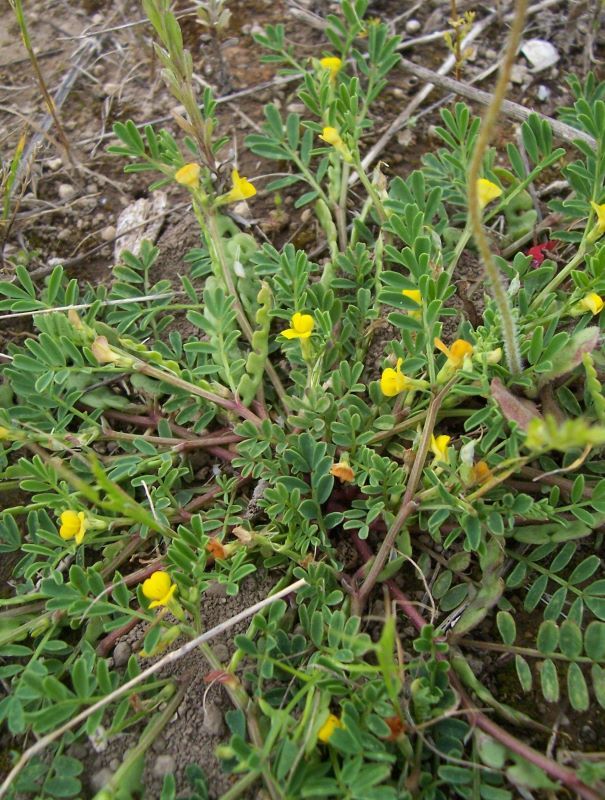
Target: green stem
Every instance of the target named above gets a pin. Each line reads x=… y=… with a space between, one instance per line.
x=509 y=331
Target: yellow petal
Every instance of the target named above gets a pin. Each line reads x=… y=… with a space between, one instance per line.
x=331 y=63
x=412 y=294
x=188 y=175
x=328 y=728
x=442 y=347
x=439 y=447
x=157 y=586
x=600 y=212
x=487 y=191
x=459 y=350
x=331 y=136
x=592 y=302
x=343 y=472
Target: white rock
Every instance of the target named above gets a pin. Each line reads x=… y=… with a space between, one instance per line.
x=413 y=26
x=108 y=234
x=140 y=220
x=540 y=54
x=543 y=93
x=66 y=191
x=54 y=164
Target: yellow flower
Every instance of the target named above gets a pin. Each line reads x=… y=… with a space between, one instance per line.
x=439 y=447
x=103 y=352
x=73 y=525
x=591 y=302
x=343 y=472
x=333 y=64
x=331 y=136
x=301 y=326
x=328 y=728
x=457 y=353
x=189 y=175
x=4 y=434
x=242 y=189
x=159 y=589
x=487 y=191
x=393 y=381
x=600 y=212
x=413 y=294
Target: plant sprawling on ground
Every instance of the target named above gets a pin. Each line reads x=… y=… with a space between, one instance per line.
x=450 y=471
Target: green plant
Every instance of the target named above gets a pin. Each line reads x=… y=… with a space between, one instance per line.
x=476 y=479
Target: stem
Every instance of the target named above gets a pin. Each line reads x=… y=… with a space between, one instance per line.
x=509 y=332
x=408 y=504
x=341 y=208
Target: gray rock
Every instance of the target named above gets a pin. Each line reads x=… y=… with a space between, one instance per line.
x=412 y=26
x=100 y=778
x=121 y=654
x=213 y=720
x=164 y=765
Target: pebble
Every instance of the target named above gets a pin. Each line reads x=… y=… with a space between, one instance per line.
x=221 y=651
x=100 y=778
x=413 y=26
x=540 y=54
x=54 y=164
x=543 y=93
x=108 y=234
x=164 y=765
x=213 y=720
x=296 y=108
x=111 y=88
x=121 y=654
x=114 y=764
x=519 y=74
x=66 y=191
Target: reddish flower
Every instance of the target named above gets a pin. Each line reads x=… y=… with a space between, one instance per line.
x=537 y=252
x=216 y=549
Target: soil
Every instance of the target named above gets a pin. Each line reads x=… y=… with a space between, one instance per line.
x=69 y=215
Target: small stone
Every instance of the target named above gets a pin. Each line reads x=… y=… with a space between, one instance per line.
x=540 y=54
x=213 y=720
x=296 y=108
x=54 y=164
x=121 y=654
x=66 y=191
x=98 y=19
x=221 y=651
x=519 y=74
x=100 y=778
x=164 y=765
x=490 y=54
x=110 y=89
x=413 y=26
x=543 y=93
x=108 y=234
x=114 y=764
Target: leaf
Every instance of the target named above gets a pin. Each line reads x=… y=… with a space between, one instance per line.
x=577 y=688
x=523 y=673
x=549 y=681
x=594 y=640
x=548 y=637
x=570 y=640
x=514 y=408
